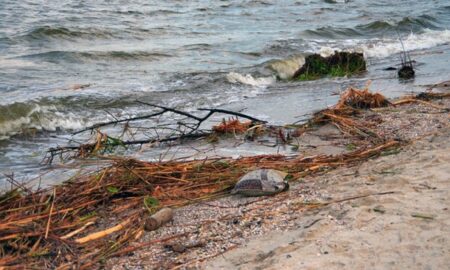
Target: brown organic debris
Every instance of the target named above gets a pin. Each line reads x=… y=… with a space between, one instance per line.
x=82 y=222
x=232 y=126
x=117 y=192
x=361 y=99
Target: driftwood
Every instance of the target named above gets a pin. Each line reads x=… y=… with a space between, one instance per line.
x=101 y=234
x=165 y=109
x=350 y=102
x=415 y=100
x=77 y=231
x=158 y=219
x=104 y=142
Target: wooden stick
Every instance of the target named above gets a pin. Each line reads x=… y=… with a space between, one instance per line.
x=379 y=148
x=100 y=234
x=359 y=197
x=50 y=214
x=77 y=231
x=412 y=100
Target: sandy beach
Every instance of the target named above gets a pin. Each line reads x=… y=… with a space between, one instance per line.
x=406 y=229
x=369 y=189
x=390 y=212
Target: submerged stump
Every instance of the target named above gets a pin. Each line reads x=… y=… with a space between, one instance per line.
x=406 y=72
x=339 y=64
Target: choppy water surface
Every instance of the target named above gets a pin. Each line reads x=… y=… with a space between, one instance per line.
x=192 y=54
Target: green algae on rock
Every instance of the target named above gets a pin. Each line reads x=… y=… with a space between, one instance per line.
x=339 y=64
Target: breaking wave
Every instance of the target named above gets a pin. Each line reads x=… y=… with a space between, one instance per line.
x=19 y=117
x=428 y=39
x=234 y=77
x=381 y=48
x=285 y=68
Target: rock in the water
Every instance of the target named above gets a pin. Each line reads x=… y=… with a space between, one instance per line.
x=338 y=64
x=261 y=182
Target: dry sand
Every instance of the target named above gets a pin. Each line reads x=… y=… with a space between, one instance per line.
x=409 y=228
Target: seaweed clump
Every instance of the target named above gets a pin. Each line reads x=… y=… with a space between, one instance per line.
x=339 y=64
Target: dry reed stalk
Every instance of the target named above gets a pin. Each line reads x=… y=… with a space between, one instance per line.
x=50 y=214
x=414 y=100
x=101 y=234
x=77 y=231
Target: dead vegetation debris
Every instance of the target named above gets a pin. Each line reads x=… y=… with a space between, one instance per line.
x=83 y=222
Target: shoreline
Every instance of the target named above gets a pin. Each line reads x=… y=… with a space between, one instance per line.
x=257 y=233
x=206 y=229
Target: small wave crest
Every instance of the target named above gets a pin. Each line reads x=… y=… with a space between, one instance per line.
x=376 y=28
x=48 y=32
x=406 y=24
x=234 y=77
x=381 y=48
x=285 y=68
x=77 y=56
x=428 y=39
x=17 y=118
x=6 y=63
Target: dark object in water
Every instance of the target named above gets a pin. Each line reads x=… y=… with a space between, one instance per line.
x=389 y=68
x=406 y=72
x=339 y=64
x=407 y=69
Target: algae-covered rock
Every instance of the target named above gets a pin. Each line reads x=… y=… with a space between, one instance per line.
x=338 y=64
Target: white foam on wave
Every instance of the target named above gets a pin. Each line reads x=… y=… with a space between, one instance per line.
x=381 y=48
x=7 y=63
x=327 y=51
x=428 y=39
x=234 y=77
x=41 y=118
x=285 y=68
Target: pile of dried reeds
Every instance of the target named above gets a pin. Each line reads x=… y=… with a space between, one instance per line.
x=345 y=114
x=83 y=222
x=361 y=99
